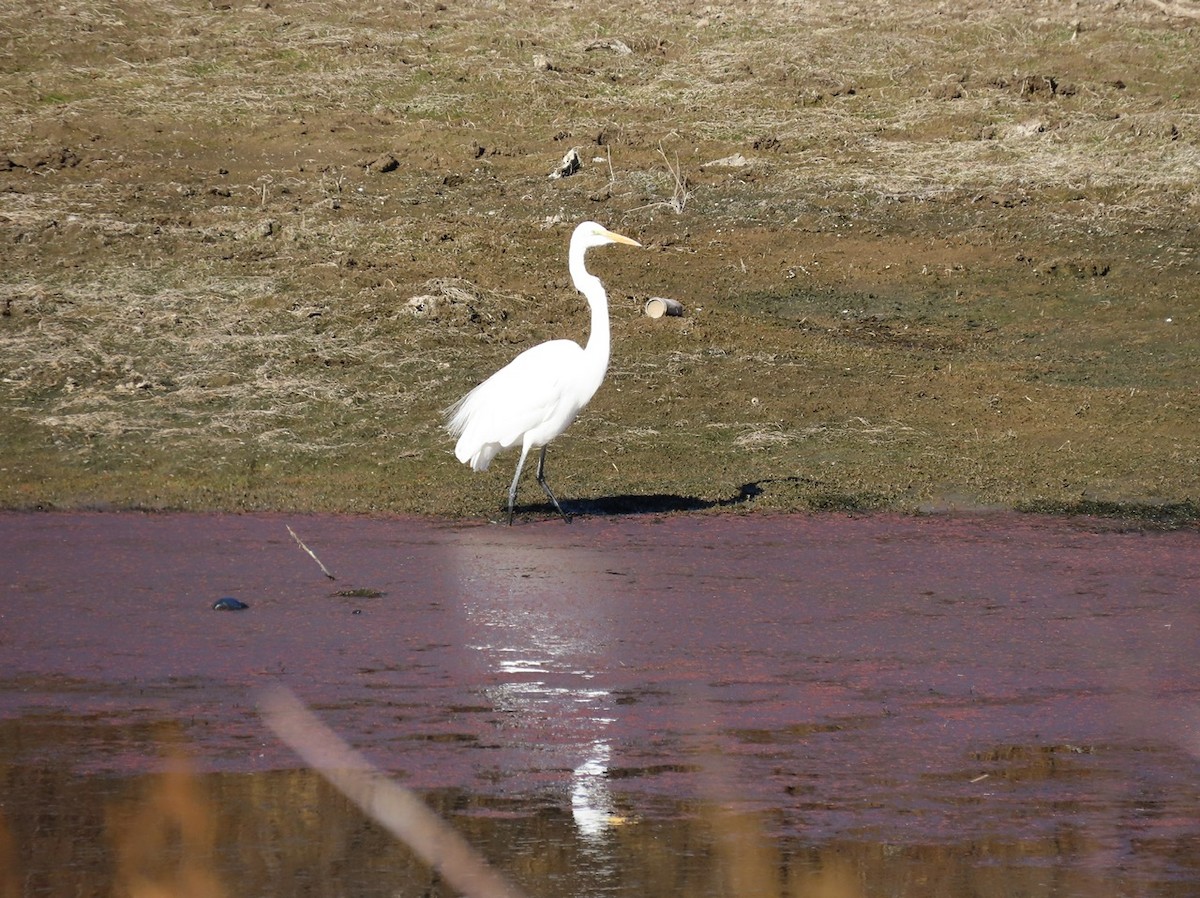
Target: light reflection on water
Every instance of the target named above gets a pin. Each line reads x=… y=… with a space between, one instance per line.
x=526 y=635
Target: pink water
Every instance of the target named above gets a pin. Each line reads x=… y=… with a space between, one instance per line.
x=894 y=679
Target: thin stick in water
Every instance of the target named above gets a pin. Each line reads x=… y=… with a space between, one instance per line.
x=312 y=554
x=399 y=810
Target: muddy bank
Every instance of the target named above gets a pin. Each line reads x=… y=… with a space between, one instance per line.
x=925 y=259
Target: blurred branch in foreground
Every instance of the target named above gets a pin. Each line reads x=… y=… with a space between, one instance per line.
x=166 y=842
x=397 y=809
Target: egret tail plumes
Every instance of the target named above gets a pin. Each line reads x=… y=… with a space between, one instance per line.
x=537 y=395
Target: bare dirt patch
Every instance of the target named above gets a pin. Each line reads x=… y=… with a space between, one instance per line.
x=929 y=255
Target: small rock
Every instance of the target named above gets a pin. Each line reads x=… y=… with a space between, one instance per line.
x=266 y=228
x=570 y=164
x=1025 y=129
x=384 y=164
x=422 y=306
x=737 y=160
x=609 y=43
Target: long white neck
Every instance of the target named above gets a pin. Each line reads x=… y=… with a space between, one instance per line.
x=597 y=349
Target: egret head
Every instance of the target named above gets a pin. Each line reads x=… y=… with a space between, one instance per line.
x=590 y=234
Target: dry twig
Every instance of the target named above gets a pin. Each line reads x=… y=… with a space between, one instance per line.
x=312 y=554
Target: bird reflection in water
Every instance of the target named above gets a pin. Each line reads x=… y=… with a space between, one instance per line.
x=591 y=800
x=544 y=643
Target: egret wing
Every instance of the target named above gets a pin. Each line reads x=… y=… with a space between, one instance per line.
x=530 y=393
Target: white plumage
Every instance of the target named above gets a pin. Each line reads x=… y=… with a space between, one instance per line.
x=537 y=395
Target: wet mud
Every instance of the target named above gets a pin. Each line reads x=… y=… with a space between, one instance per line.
x=1013 y=695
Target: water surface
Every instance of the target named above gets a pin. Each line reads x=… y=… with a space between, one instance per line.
x=635 y=705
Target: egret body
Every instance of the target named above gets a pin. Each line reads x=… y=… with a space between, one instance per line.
x=537 y=395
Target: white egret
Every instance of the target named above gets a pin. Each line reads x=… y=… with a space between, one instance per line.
x=537 y=395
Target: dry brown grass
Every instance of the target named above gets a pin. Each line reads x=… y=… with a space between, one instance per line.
x=207 y=266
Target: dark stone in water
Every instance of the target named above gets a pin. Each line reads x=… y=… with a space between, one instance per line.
x=229 y=604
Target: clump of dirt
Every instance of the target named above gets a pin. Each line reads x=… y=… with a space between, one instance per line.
x=926 y=259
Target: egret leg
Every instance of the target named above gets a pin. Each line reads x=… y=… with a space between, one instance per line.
x=512 y=490
x=541 y=478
